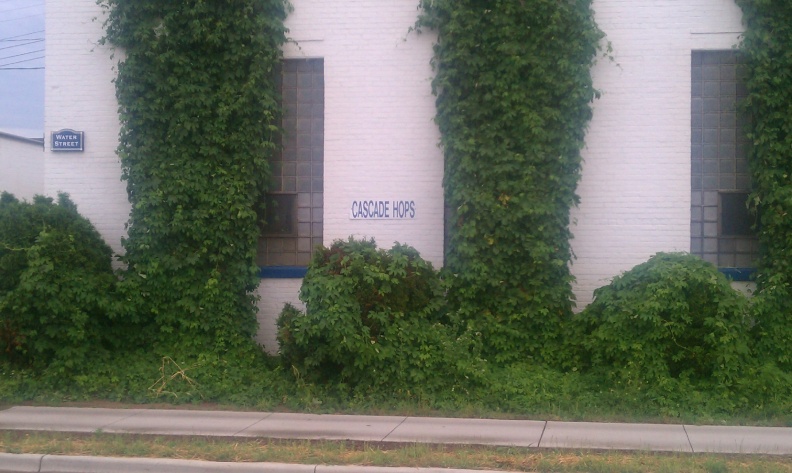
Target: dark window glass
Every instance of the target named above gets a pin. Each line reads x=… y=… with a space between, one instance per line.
x=735 y=219
x=281 y=215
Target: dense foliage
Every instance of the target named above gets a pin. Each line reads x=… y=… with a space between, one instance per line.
x=197 y=102
x=56 y=281
x=513 y=101
x=419 y=359
x=672 y=317
x=766 y=44
x=374 y=319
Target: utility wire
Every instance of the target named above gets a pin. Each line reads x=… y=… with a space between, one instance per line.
x=38 y=5
x=20 y=62
x=21 y=54
x=20 y=18
x=8 y=38
x=24 y=44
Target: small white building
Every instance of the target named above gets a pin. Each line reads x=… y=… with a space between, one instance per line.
x=21 y=165
x=663 y=164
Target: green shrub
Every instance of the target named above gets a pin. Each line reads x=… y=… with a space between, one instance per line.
x=374 y=318
x=55 y=282
x=673 y=317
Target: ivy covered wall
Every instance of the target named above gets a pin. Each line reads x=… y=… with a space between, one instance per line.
x=767 y=45
x=198 y=106
x=514 y=95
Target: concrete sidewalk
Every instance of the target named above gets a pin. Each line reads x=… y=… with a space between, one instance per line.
x=522 y=433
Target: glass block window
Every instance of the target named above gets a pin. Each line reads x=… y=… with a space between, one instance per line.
x=280 y=218
x=293 y=225
x=721 y=226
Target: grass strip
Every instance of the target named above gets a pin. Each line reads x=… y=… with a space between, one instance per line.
x=376 y=454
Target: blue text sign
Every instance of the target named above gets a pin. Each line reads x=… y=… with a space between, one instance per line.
x=382 y=209
x=68 y=140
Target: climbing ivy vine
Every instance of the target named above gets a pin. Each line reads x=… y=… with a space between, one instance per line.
x=767 y=45
x=514 y=95
x=197 y=102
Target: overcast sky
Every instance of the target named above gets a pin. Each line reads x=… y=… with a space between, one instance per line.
x=22 y=67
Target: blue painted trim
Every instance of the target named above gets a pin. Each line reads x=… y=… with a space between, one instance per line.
x=298 y=272
x=283 y=272
x=738 y=274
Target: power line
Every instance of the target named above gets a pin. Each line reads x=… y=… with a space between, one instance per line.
x=20 y=62
x=38 y=5
x=20 y=18
x=21 y=54
x=23 y=44
x=20 y=68
x=8 y=38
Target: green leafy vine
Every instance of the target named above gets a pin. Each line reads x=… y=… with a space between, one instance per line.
x=197 y=101
x=514 y=95
x=767 y=46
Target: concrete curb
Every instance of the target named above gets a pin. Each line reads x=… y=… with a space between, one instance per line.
x=20 y=463
x=37 y=463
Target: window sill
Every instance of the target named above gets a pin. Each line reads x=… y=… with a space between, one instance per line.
x=282 y=272
x=738 y=274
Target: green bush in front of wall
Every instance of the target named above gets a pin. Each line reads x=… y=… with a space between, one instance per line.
x=672 y=318
x=56 y=286
x=767 y=47
x=197 y=102
x=514 y=95
x=375 y=321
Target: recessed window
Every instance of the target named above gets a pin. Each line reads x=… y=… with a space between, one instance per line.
x=293 y=223
x=720 y=223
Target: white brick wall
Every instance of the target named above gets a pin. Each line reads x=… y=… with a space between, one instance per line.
x=635 y=190
x=380 y=138
x=381 y=142
x=274 y=293
x=79 y=94
x=21 y=167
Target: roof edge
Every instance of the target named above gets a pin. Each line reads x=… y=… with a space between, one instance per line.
x=11 y=136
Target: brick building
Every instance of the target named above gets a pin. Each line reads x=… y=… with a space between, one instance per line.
x=663 y=158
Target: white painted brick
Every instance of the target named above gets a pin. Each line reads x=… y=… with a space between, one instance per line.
x=380 y=138
x=79 y=94
x=274 y=294
x=635 y=189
